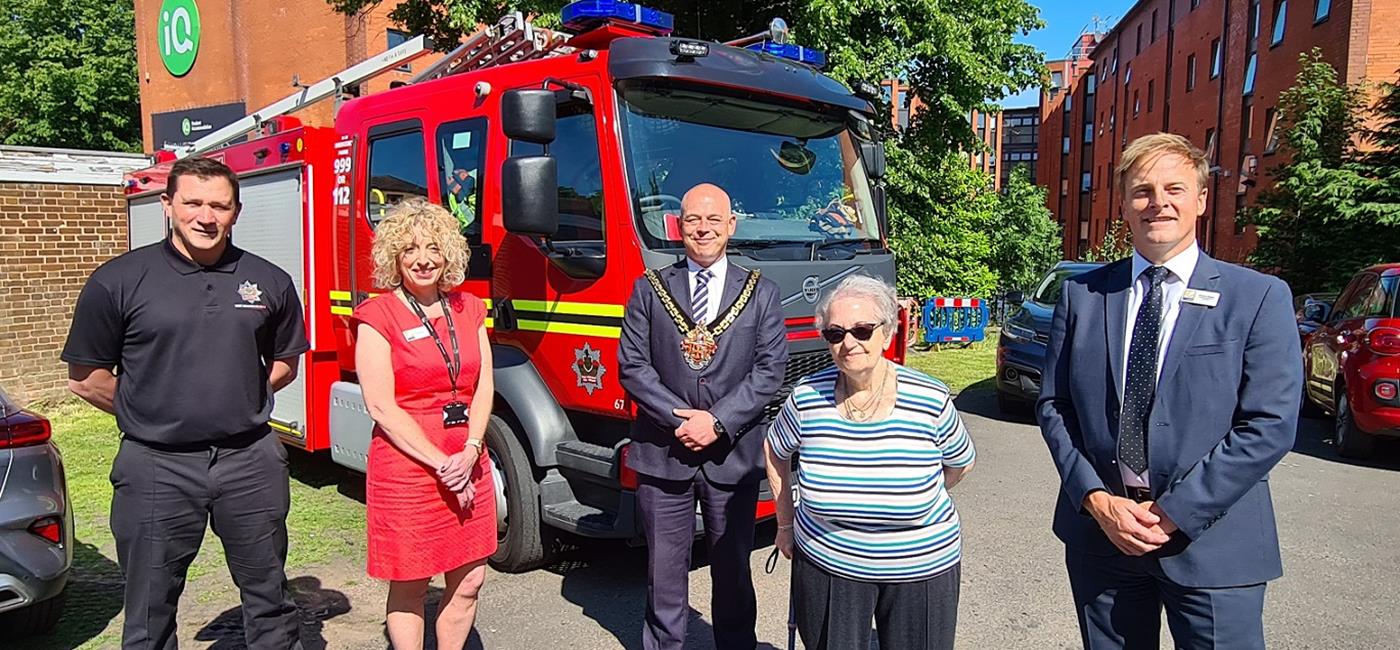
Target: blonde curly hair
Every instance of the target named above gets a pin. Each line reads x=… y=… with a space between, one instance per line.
x=394 y=235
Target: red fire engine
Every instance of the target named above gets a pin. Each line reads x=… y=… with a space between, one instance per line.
x=563 y=156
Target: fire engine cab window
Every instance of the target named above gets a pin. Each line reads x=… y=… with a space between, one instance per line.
x=461 y=149
x=396 y=171
x=575 y=150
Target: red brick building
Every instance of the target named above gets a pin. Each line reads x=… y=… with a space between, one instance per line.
x=247 y=54
x=1211 y=70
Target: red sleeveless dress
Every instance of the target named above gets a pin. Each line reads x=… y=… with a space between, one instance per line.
x=416 y=526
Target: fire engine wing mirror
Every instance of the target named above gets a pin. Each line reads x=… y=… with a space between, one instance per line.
x=872 y=154
x=527 y=114
x=530 y=194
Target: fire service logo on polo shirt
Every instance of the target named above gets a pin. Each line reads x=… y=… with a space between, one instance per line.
x=589 y=369
x=251 y=295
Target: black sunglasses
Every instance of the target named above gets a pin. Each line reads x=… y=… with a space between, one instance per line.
x=835 y=334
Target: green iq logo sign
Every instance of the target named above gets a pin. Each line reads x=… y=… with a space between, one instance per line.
x=179 y=35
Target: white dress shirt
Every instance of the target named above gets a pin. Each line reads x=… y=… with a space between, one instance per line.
x=1179 y=270
x=715 y=286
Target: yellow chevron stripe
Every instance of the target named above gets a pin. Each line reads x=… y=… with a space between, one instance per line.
x=576 y=308
x=555 y=327
x=340 y=295
x=341 y=311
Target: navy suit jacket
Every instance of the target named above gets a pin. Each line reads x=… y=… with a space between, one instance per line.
x=1225 y=412
x=738 y=383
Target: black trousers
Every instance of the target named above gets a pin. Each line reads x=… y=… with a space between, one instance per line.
x=162 y=501
x=668 y=520
x=834 y=613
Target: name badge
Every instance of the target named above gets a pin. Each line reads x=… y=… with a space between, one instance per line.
x=1201 y=297
x=420 y=332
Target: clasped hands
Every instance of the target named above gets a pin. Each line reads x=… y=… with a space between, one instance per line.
x=1135 y=528
x=455 y=472
x=698 y=429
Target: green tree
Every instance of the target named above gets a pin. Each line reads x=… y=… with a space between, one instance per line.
x=1325 y=215
x=1382 y=161
x=1117 y=244
x=1025 y=239
x=942 y=216
x=68 y=75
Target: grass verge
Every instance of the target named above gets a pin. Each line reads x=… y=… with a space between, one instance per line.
x=960 y=368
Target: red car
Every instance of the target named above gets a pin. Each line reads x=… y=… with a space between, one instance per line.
x=1352 y=360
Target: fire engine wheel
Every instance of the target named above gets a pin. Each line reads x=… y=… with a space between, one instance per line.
x=520 y=535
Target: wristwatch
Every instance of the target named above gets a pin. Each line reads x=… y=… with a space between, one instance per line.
x=719 y=428
x=475 y=442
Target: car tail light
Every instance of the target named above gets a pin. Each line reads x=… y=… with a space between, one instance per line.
x=1386 y=390
x=1384 y=340
x=50 y=528
x=26 y=430
x=626 y=476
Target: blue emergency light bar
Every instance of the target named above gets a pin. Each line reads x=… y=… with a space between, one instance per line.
x=792 y=53
x=586 y=15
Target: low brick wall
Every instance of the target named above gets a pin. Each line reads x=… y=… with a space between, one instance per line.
x=52 y=236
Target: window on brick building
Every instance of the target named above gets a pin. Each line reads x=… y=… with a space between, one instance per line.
x=1195 y=3
x=1069 y=105
x=1086 y=181
x=1115 y=60
x=1057 y=79
x=1249 y=70
x=1138 y=49
x=1064 y=188
x=1151 y=88
x=396 y=38
x=1065 y=148
x=1088 y=133
x=1215 y=58
x=1112 y=126
x=1190 y=72
x=1089 y=85
x=1154 y=25
x=1322 y=10
x=1280 y=18
x=1271 y=134
x=1210 y=145
x=1137 y=103
x=1128 y=76
x=1253 y=24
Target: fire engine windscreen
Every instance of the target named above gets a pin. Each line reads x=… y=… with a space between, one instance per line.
x=792 y=173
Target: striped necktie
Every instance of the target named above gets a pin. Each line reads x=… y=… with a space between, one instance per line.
x=700 y=300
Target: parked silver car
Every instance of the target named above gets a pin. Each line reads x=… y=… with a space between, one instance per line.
x=36 y=523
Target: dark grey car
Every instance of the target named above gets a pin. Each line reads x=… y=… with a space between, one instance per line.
x=36 y=523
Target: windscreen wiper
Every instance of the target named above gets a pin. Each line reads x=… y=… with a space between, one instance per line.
x=868 y=245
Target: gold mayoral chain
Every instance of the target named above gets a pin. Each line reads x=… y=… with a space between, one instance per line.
x=700 y=341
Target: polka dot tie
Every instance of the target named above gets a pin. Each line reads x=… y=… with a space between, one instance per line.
x=1141 y=386
x=700 y=301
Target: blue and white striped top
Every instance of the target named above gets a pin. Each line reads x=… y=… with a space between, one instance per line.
x=871 y=502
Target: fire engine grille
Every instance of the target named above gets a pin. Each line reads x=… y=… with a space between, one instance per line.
x=799 y=365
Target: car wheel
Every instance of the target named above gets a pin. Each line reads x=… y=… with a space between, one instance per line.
x=1308 y=408
x=1351 y=441
x=520 y=535
x=34 y=619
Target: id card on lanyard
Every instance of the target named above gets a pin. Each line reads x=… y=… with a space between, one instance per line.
x=454 y=413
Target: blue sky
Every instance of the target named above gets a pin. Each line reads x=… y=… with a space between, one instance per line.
x=1064 y=20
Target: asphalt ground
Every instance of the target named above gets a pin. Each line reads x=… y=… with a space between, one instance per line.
x=1337 y=519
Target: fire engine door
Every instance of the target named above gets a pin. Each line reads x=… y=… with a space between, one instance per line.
x=145 y=221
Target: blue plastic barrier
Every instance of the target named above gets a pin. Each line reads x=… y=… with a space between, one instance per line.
x=955 y=320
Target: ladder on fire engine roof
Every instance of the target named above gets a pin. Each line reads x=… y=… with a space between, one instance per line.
x=513 y=38
x=331 y=86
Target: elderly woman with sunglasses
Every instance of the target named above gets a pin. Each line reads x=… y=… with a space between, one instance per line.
x=874 y=532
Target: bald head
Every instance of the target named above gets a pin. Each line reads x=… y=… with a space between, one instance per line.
x=707 y=223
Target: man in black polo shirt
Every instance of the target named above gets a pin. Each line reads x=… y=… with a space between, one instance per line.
x=185 y=341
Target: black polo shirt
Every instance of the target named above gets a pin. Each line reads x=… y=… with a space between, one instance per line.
x=191 y=344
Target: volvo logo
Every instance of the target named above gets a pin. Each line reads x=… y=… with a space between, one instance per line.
x=811 y=286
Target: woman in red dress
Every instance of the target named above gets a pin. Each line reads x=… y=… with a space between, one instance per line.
x=422 y=356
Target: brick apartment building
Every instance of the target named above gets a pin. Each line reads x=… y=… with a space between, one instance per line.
x=1211 y=70
x=1011 y=136
x=245 y=54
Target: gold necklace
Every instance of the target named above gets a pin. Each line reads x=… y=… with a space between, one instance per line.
x=866 y=412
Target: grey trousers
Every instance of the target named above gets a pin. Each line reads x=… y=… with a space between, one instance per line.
x=834 y=613
x=162 y=501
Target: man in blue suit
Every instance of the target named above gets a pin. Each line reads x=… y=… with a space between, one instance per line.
x=1171 y=388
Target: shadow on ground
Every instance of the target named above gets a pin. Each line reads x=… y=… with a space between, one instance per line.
x=94 y=594
x=980 y=399
x=607 y=581
x=1316 y=439
x=316 y=604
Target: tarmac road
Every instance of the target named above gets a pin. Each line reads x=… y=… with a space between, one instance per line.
x=1341 y=545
